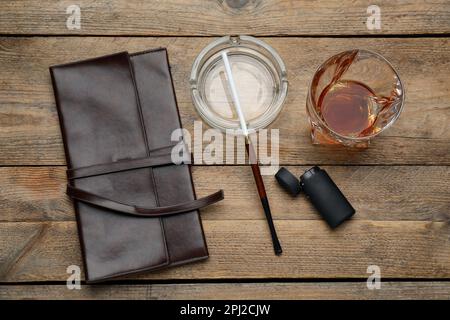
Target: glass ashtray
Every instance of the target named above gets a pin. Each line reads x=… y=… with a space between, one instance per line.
x=260 y=77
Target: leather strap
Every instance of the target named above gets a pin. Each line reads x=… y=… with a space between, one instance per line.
x=122 y=165
x=100 y=201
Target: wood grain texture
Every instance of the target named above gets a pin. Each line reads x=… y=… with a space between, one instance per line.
x=242 y=249
x=378 y=193
x=235 y=291
x=217 y=17
x=29 y=130
x=399 y=185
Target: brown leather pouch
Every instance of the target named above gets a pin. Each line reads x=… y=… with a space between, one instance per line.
x=136 y=210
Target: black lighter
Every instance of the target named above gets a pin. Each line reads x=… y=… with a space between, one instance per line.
x=321 y=191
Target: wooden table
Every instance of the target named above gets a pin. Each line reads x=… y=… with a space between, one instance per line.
x=399 y=186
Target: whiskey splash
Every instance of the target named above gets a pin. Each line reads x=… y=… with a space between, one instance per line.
x=352 y=108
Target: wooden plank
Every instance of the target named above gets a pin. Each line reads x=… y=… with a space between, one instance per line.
x=29 y=130
x=260 y=291
x=377 y=193
x=242 y=249
x=197 y=17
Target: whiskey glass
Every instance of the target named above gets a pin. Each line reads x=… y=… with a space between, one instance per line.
x=353 y=96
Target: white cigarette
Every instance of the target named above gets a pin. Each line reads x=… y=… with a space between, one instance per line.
x=234 y=94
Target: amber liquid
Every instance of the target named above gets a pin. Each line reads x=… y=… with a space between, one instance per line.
x=347 y=108
x=351 y=108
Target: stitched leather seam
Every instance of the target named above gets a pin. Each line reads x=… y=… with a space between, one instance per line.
x=144 y=129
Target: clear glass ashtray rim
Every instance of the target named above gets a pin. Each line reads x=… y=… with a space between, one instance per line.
x=234 y=42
